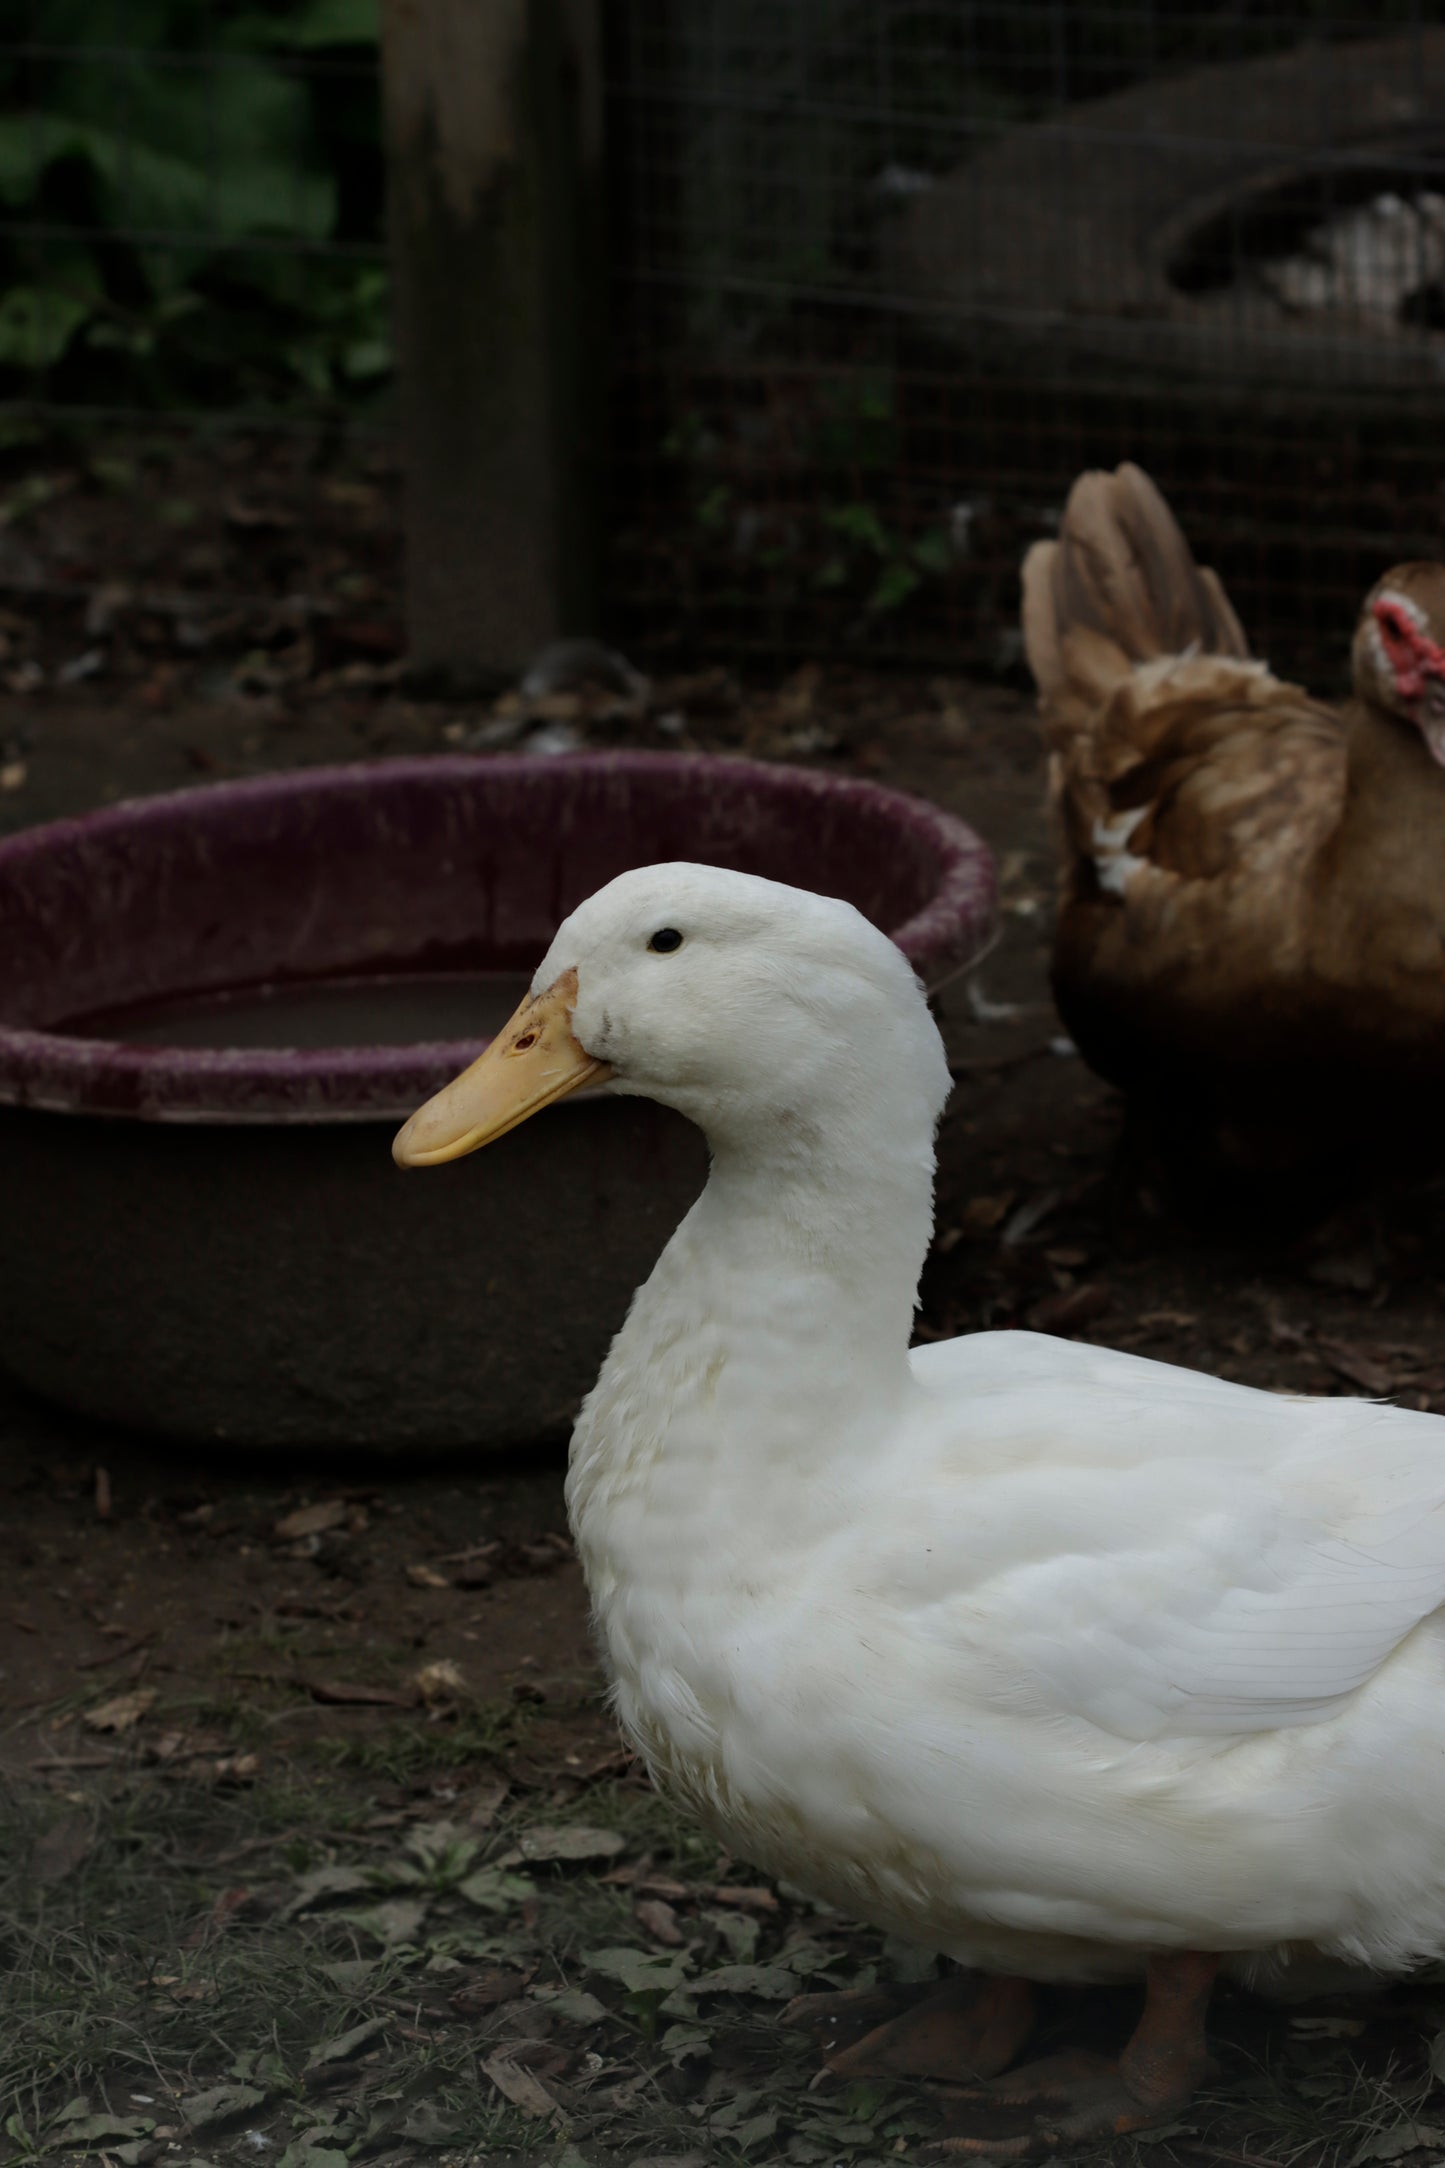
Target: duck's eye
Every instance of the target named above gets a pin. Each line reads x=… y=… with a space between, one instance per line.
x=665 y=940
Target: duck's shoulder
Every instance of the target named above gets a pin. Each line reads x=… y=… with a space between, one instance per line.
x=1014 y=1361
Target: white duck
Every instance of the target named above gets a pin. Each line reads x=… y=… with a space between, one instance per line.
x=1066 y=1663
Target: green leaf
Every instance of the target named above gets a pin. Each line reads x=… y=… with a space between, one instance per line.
x=303 y=2154
x=859 y=523
x=442 y=1853
x=640 y=1971
x=37 y=325
x=895 y=583
x=932 y=552
x=492 y=1890
x=315 y=25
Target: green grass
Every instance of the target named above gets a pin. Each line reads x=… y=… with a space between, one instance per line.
x=142 y=1971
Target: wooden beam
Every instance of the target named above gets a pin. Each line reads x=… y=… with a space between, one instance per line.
x=493 y=114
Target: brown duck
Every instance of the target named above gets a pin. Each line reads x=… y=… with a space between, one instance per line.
x=1251 y=932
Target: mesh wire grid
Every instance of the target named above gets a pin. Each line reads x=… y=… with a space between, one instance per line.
x=885 y=274
x=889 y=275
x=193 y=289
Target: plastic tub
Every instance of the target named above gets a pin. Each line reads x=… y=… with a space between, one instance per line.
x=215 y=1006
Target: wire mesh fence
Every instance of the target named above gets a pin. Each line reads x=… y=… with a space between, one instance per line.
x=884 y=273
x=190 y=207
x=892 y=273
x=193 y=299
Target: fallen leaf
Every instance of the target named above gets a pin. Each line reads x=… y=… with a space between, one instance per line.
x=657 y=1918
x=574 y=2004
x=123 y=1713
x=391 y=1924
x=306 y=2153
x=222 y=1912
x=220 y=2104
x=346 y=2045
x=771 y=1983
x=236 y=1768
x=1356 y=1366
x=1022 y=1223
x=429 y=2125
x=321 y=1883
x=681 y=2043
x=1352 y=1270
x=519 y=2086
x=490 y=1890
x=639 y=1971
x=1403 y=2137
x=79 y=2127
x=987 y=1212
x=749 y=1898
x=426 y=1577
x=343 y=1694
x=489 y=1989
x=259 y=518
x=487 y=1804
x=440 y=1683
x=315 y=1520
x=1072 y=1307
x=548 y=1842
x=59 y=1850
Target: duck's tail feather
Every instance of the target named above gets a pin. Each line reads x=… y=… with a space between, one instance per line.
x=1118 y=588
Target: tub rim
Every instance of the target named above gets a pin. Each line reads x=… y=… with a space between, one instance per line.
x=57 y=1072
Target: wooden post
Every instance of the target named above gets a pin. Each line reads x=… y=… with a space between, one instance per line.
x=493 y=112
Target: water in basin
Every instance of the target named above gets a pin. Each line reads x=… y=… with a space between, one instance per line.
x=403 y=1010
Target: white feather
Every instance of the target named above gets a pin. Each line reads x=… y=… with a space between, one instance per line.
x=1039 y=1654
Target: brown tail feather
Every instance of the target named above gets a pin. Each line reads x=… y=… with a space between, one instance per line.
x=1118 y=588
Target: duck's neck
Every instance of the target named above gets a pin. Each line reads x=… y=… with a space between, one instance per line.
x=773 y=1334
x=846 y=1229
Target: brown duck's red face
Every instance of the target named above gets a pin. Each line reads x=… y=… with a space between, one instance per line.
x=1402 y=655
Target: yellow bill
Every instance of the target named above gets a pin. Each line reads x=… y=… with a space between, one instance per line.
x=533 y=1060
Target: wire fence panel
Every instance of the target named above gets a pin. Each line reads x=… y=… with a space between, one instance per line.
x=885 y=275
x=190 y=207
x=193 y=306
x=890 y=274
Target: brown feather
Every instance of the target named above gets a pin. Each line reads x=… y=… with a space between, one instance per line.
x=1253 y=883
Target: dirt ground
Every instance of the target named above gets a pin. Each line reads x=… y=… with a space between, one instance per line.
x=320 y=1844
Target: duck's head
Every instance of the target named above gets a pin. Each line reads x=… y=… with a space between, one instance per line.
x=1399 y=649
x=741 y=1002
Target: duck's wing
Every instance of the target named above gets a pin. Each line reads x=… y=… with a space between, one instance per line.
x=1162 y=1553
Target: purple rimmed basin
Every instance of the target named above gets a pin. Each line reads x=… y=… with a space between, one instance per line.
x=212 y=1241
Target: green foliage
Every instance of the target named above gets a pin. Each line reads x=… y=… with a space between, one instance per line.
x=174 y=182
